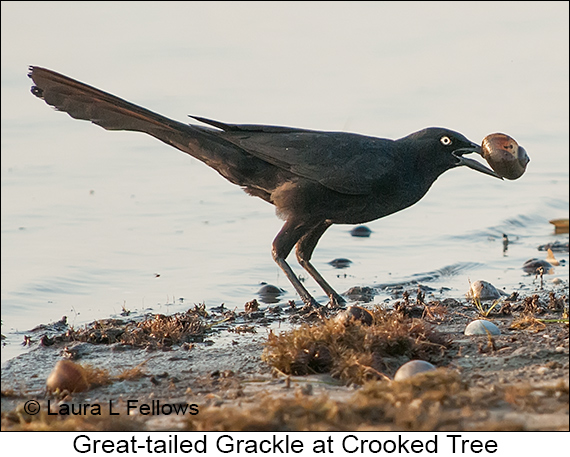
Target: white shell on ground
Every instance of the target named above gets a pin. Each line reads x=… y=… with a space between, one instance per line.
x=482 y=327
x=411 y=368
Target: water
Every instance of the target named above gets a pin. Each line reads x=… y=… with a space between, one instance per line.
x=94 y=221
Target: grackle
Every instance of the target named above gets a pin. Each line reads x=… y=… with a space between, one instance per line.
x=314 y=179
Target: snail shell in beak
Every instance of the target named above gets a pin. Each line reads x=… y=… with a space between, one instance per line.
x=504 y=155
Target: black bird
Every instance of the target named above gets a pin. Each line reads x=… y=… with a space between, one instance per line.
x=314 y=179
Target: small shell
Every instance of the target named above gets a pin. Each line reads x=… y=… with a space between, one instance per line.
x=481 y=327
x=67 y=375
x=411 y=368
x=534 y=266
x=363 y=294
x=504 y=155
x=270 y=293
x=340 y=263
x=361 y=231
x=557 y=246
x=483 y=290
x=355 y=314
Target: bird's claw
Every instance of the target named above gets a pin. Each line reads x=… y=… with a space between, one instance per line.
x=336 y=301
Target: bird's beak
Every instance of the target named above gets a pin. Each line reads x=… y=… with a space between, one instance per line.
x=458 y=154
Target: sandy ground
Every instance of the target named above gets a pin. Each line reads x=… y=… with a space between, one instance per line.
x=517 y=380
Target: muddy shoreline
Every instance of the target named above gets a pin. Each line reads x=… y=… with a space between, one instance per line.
x=217 y=363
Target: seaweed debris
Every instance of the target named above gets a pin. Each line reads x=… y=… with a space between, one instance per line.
x=154 y=331
x=354 y=352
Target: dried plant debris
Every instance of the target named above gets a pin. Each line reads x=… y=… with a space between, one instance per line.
x=431 y=311
x=433 y=401
x=514 y=381
x=355 y=352
x=534 y=312
x=153 y=330
x=438 y=400
x=529 y=323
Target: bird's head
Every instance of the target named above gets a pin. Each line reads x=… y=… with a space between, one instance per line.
x=448 y=149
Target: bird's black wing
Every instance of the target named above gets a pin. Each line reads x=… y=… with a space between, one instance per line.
x=344 y=162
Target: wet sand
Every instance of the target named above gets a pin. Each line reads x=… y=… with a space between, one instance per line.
x=220 y=365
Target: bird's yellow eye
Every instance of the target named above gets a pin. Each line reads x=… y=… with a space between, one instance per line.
x=445 y=140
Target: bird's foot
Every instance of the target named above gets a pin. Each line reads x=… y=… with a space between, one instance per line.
x=311 y=302
x=309 y=311
x=336 y=301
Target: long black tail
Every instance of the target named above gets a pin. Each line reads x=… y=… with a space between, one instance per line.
x=82 y=101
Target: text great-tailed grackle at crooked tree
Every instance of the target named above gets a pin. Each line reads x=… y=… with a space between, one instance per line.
x=315 y=179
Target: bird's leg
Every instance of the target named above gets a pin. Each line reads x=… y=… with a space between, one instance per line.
x=282 y=245
x=305 y=247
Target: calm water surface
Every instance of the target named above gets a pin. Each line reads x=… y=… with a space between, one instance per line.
x=94 y=221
